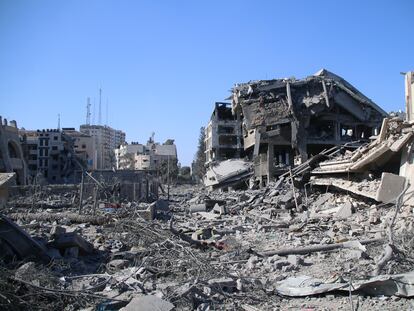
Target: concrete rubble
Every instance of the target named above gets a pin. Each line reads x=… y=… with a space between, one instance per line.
x=253 y=249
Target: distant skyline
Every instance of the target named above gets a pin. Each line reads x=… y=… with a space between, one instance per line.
x=162 y=64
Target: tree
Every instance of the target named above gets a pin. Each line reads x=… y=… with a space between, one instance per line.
x=200 y=158
x=173 y=169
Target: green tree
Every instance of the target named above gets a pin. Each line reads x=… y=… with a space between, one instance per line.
x=173 y=169
x=199 y=169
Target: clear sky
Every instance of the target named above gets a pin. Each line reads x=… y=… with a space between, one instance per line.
x=163 y=64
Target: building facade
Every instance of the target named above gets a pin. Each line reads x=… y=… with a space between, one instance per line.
x=223 y=135
x=50 y=155
x=84 y=146
x=145 y=157
x=11 y=153
x=106 y=140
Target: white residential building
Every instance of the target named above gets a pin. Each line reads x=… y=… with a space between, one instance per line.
x=107 y=140
x=145 y=157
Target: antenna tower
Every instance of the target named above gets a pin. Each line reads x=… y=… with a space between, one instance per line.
x=88 y=111
x=100 y=107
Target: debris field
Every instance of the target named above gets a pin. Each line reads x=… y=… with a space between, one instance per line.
x=273 y=248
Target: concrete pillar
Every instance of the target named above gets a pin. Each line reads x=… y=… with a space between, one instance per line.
x=407 y=170
x=270 y=156
x=409 y=98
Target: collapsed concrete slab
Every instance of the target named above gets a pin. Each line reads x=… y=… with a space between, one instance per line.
x=227 y=173
x=148 y=303
x=379 y=170
x=22 y=244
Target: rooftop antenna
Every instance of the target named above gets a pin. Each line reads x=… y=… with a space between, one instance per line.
x=88 y=111
x=107 y=111
x=100 y=107
x=58 y=121
x=94 y=110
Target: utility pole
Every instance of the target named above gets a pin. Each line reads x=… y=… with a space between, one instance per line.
x=81 y=192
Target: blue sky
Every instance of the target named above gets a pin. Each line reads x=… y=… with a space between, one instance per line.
x=163 y=64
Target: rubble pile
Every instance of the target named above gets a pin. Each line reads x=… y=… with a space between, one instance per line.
x=277 y=247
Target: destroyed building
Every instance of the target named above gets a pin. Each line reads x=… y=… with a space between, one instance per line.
x=223 y=134
x=50 y=155
x=11 y=153
x=285 y=118
x=84 y=146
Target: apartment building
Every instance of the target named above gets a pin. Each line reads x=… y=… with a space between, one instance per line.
x=145 y=157
x=106 y=140
x=50 y=155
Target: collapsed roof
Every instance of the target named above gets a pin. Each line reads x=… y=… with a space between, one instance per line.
x=278 y=101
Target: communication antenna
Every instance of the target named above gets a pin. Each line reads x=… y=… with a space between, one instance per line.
x=100 y=107
x=88 y=111
x=107 y=104
x=94 y=110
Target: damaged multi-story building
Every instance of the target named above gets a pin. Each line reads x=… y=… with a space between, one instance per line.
x=50 y=155
x=11 y=153
x=223 y=134
x=84 y=146
x=288 y=119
